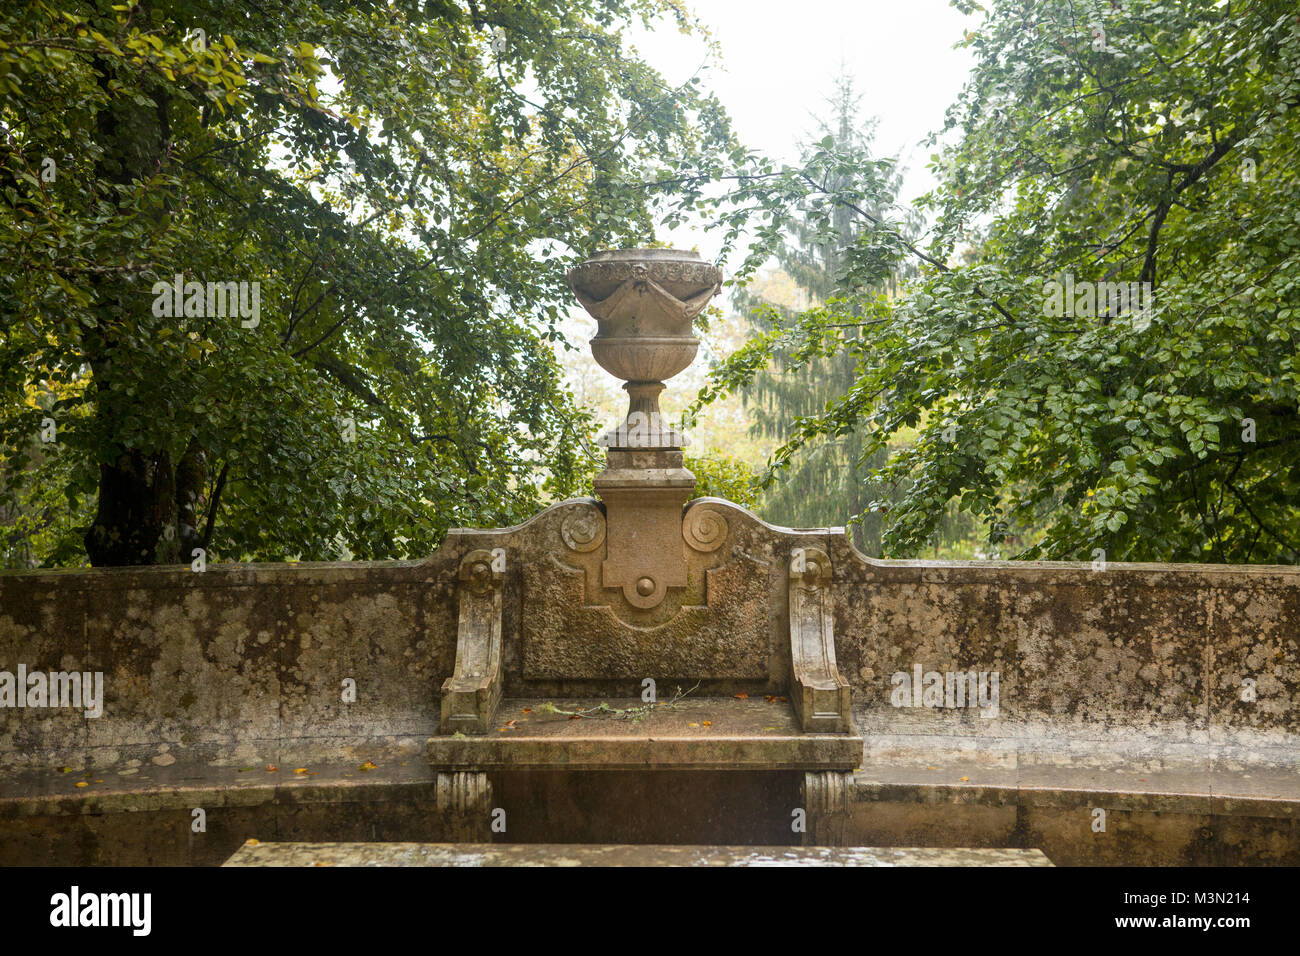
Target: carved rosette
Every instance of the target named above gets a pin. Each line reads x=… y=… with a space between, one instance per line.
x=583 y=530
x=704 y=529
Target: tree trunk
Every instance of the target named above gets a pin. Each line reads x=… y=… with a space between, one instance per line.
x=136 y=519
x=137 y=503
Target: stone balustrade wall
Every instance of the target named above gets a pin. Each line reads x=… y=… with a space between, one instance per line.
x=244 y=653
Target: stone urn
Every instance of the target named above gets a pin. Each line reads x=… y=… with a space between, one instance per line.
x=644 y=302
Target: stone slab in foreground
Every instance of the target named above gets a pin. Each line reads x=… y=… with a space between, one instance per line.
x=560 y=854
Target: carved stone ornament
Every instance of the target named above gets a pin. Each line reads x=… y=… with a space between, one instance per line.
x=818 y=691
x=704 y=529
x=463 y=799
x=470 y=696
x=644 y=302
x=826 y=798
x=584 y=530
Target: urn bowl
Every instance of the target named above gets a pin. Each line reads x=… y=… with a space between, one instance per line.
x=644 y=302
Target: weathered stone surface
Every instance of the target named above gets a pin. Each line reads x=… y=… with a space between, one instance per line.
x=568 y=855
x=818 y=692
x=645 y=556
x=959 y=792
x=470 y=696
x=565 y=638
x=691 y=734
x=1131 y=650
x=244 y=657
x=238 y=657
x=1120 y=688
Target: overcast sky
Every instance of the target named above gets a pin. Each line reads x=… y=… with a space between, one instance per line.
x=780 y=59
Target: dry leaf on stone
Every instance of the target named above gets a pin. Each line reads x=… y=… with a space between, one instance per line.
x=367 y=766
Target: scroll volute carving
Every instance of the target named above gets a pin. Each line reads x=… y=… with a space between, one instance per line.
x=819 y=693
x=470 y=696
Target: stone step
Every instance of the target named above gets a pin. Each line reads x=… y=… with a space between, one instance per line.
x=1163 y=803
x=254 y=853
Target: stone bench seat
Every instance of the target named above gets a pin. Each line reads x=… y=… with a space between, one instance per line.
x=720 y=733
x=1157 y=773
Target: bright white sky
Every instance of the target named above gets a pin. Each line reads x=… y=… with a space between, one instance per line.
x=780 y=59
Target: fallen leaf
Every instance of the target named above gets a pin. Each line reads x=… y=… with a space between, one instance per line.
x=931 y=768
x=769 y=728
x=251 y=842
x=82 y=783
x=272 y=768
x=511 y=723
x=99 y=781
x=708 y=723
x=245 y=769
x=965 y=779
x=575 y=717
x=741 y=696
x=367 y=766
x=528 y=710
x=303 y=771
x=692 y=725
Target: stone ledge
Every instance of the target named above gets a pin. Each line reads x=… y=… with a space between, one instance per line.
x=566 y=855
x=693 y=734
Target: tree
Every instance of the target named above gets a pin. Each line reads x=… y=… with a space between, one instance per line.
x=1147 y=143
x=827 y=481
x=294 y=272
